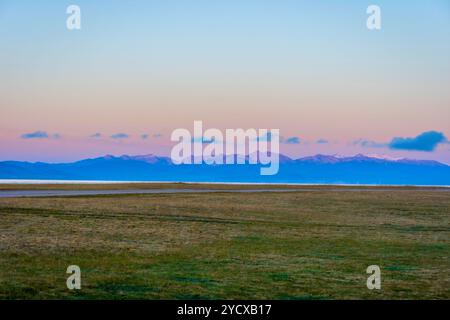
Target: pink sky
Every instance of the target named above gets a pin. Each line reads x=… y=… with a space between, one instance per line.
x=312 y=73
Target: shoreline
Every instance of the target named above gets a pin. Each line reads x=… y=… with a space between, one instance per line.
x=106 y=182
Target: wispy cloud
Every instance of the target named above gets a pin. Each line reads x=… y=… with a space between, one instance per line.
x=426 y=141
x=266 y=137
x=35 y=135
x=322 y=141
x=120 y=136
x=269 y=136
x=96 y=135
x=290 y=140
x=369 y=143
x=40 y=135
x=144 y=136
x=202 y=140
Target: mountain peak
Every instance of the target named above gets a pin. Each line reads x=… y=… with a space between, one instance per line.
x=320 y=158
x=358 y=169
x=148 y=158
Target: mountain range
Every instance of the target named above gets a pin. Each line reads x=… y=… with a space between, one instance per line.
x=321 y=169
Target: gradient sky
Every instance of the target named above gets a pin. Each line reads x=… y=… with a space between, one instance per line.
x=310 y=68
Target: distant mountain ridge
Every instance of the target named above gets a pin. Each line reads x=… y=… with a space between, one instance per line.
x=327 y=169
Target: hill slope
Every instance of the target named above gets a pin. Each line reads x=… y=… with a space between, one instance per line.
x=325 y=169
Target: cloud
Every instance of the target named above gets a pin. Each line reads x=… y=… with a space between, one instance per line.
x=35 y=135
x=290 y=140
x=40 y=135
x=426 y=141
x=202 y=140
x=144 y=136
x=96 y=135
x=120 y=136
x=368 y=143
x=266 y=137
x=269 y=136
x=322 y=141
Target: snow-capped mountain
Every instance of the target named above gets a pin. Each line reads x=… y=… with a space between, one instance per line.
x=358 y=169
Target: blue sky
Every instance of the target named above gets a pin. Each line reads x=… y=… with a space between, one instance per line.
x=309 y=68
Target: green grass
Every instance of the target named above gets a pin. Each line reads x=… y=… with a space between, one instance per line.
x=302 y=245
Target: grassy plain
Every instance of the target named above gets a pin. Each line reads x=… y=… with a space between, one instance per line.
x=310 y=244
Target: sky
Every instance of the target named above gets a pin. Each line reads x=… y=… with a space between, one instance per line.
x=137 y=70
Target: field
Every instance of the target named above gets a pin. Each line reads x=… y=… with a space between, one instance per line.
x=312 y=244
